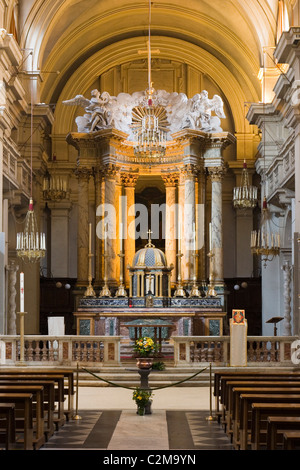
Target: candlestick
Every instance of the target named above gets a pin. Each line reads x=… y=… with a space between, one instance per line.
x=90 y=238
x=194 y=236
x=121 y=237
x=105 y=238
x=22 y=292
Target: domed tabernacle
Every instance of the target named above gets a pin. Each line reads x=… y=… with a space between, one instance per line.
x=150 y=272
x=149 y=257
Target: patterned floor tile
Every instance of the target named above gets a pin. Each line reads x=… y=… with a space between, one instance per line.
x=186 y=430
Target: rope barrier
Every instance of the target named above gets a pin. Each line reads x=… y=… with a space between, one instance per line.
x=133 y=388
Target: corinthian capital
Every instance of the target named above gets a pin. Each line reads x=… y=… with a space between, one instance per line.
x=83 y=173
x=189 y=171
x=216 y=173
x=170 y=179
x=129 y=179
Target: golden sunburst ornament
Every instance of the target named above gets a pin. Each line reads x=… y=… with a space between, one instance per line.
x=149 y=124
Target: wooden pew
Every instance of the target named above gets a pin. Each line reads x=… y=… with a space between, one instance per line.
x=24 y=404
x=291 y=439
x=7 y=419
x=248 y=375
x=229 y=405
x=241 y=409
x=261 y=411
x=58 y=379
x=224 y=389
x=37 y=392
x=68 y=374
x=276 y=425
x=49 y=396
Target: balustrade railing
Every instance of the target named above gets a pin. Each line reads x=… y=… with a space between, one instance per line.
x=61 y=350
x=106 y=350
x=261 y=350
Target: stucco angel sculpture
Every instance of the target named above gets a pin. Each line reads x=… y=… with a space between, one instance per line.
x=97 y=115
x=199 y=113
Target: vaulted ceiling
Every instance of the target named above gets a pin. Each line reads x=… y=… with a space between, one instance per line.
x=82 y=39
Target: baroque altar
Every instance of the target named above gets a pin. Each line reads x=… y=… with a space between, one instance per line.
x=181 y=282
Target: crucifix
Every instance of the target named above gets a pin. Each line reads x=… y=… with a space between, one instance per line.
x=149 y=237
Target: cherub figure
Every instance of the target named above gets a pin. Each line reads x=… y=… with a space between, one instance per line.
x=199 y=115
x=97 y=115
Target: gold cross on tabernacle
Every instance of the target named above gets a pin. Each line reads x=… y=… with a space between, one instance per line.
x=149 y=236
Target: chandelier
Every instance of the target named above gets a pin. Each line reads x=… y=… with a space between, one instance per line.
x=31 y=245
x=149 y=121
x=264 y=242
x=245 y=195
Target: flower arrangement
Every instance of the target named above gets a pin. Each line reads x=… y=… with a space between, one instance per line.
x=145 y=346
x=141 y=397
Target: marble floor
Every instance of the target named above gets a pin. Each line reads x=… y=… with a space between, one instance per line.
x=107 y=421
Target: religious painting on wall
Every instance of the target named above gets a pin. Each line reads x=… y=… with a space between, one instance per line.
x=238 y=316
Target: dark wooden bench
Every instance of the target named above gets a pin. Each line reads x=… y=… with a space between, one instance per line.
x=49 y=399
x=37 y=392
x=260 y=413
x=23 y=406
x=247 y=427
x=276 y=425
x=68 y=374
x=58 y=379
x=7 y=424
x=291 y=439
x=248 y=394
x=225 y=388
x=247 y=375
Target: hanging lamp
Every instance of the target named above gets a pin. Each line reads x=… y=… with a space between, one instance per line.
x=31 y=244
x=245 y=195
x=264 y=241
x=149 y=121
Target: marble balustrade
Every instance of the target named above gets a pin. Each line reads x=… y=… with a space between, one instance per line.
x=105 y=350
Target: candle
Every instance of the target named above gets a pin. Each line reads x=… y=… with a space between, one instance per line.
x=21 y=292
x=179 y=235
x=90 y=238
x=210 y=237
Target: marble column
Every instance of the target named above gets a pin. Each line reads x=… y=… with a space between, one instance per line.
x=129 y=182
x=170 y=181
x=110 y=220
x=83 y=175
x=216 y=175
x=180 y=225
x=12 y=269
x=200 y=226
x=189 y=174
x=287 y=281
x=99 y=201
